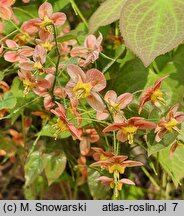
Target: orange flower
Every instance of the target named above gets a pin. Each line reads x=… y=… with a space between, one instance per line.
x=153 y=94
x=86 y=86
x=46 y=17
x=127 y=129
x=117 y=164
x=169 y=123
x=101 y=155
x=89 y=135
x=116 y=185
x=63 y=125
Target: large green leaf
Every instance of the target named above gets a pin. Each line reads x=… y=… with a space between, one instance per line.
x=151 y=28
x=54 y=165
x=175 y=166
x=108 y=12
x=33 y=167
x=131 y=77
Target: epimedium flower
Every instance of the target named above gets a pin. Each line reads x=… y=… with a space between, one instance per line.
x=39 y=58
x=46 y=18
x=169 y=123
x=128 y=128
x=153 y=94
x=90 y=51
x=17 y=54
x=115 y=105
x=6 y=11
x=32 y=83
x=116 y=165
x=86 y=86
x=116 y=185
x=63 y=125
x=46 y=41
x=101 y=155
x=88 y=136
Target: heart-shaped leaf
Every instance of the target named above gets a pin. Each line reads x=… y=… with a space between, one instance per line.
x=151 y=28
x=54 y=166
x=108 y=12
x=33 y=167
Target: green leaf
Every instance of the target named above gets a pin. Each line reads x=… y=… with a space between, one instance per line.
x=58 y=5
x=154 y=147
x=54 y=165
x=8 y=101
x=151 y=28
x=130 y=192
x=33 y=167
x=173 y=166
x=36 y=189
x=108 y=12
x=49 y=131
x=127 y=79
x=97 y=190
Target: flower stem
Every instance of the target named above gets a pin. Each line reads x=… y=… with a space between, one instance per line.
x=58 y=59
x=78 y=12
x=150 y=178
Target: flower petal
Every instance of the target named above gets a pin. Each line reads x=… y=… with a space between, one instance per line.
x=130 y=163
x=160 y=134
x=124 y=100
x=158 y=82
x=79 y=51
x=76 y=134
x=58 y=18
x=105 y=180
x=11 y=44
x=142 y=124
x=102 y=115
x=26 y=51
x=27 y=65
x=90 y=42
x=45 y=10
x=48 y=104
x=84 y=146
x=110 y=96
x=145 y=97
x=61 y=109
x=11 y=56
x=113 y=127
x=95 y=101
x=31 y=26
x=126 y=181
x=96 y=78
x=121 y=136
x=76 y=73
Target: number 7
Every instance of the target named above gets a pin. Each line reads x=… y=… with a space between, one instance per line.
x=175 y=204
